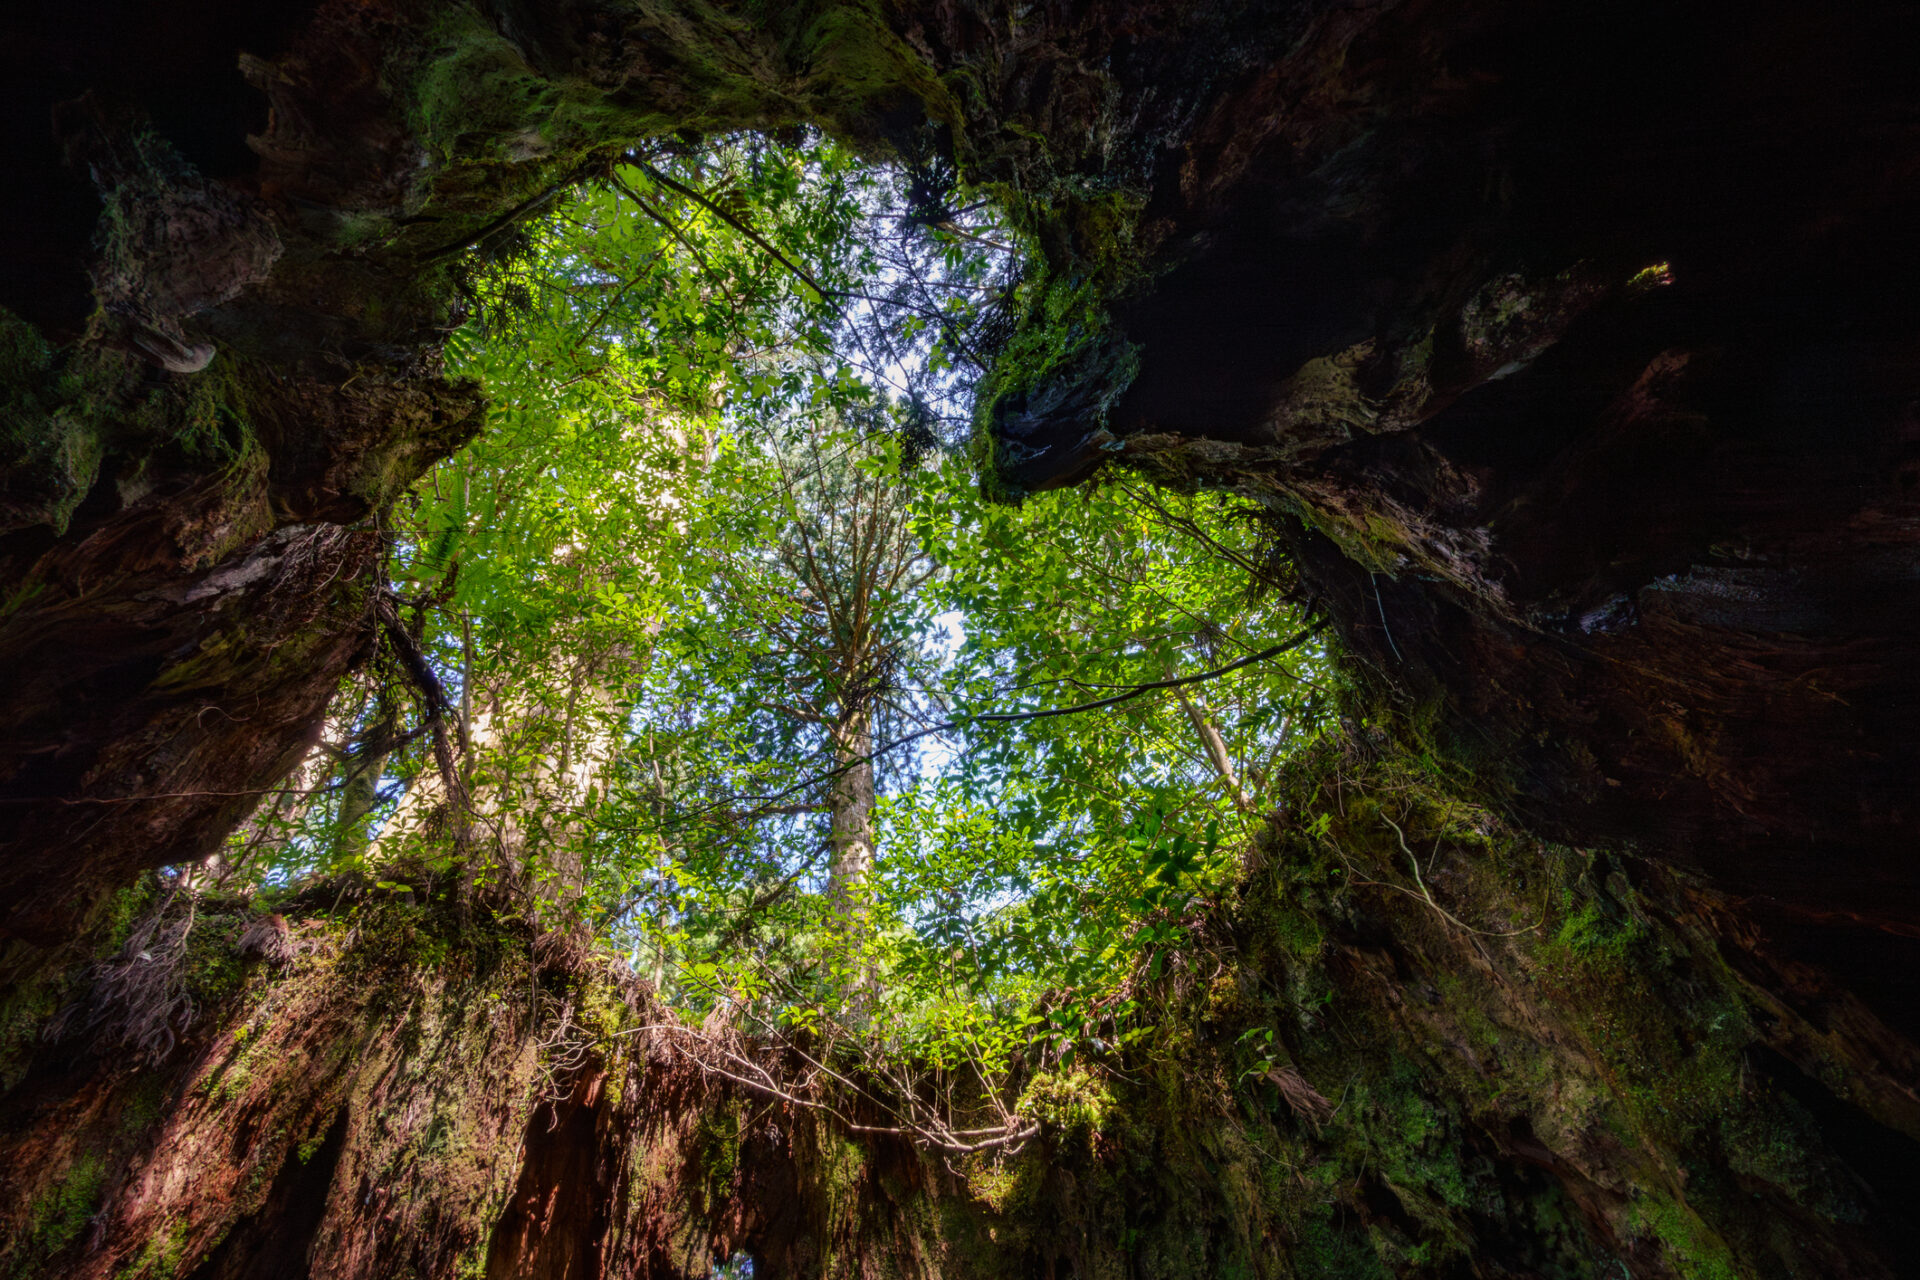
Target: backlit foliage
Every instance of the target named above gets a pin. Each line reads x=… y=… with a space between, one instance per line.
x=721 y=544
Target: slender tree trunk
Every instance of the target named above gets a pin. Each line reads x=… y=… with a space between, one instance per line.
x=1216 y=748
x=850 y=804
x=850 y=838
x=359 y=789
x=521 y=802
x=663 y=916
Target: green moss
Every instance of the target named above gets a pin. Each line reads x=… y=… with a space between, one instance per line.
x=477 y=99
x=123 y=909
x=501 y=131
x=1411 y=1139
x=208 y=421
x=215 y=972
x=64 y=414
x=843 y=1163
x=1378 y=546
x=23 y=1014
x=1328 y=1251
x=715 y=1151
x=144 y=1104
x=160 y=1255
x=59 y=1215
x=602 y=1012
x=228 y=1082
x=1589 y=937
x=1603 y=1030
x=1064 y=362
x=1009 y=1185
x=1074 y=1102
x=25 y=359
x=1774 y=1141
x=1695 y=1251
x=50 y=446
x=851 y=54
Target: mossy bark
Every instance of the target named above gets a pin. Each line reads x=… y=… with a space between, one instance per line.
x=192 y=472
x=362 y=1105
x=1519 y=352
x=1585 y=413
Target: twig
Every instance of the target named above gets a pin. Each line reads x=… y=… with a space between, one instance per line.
x=1379 y=604
x=439 y=710
x=510 y=216
x=946 y=1139
x=733 y=222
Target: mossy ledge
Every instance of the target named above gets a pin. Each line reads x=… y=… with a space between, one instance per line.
x=1410 y=1042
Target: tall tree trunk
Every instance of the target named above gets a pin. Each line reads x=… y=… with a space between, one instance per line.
x=360 y=788
x=850 y=808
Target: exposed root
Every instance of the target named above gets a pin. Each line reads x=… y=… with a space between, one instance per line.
x=1426 y=895
x=1306 y=1101
x=564 y=1051
x=727 y=1055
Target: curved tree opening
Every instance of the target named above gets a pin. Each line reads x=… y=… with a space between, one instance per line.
x=828 y=639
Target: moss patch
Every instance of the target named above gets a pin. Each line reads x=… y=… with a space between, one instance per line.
x=62 y=1212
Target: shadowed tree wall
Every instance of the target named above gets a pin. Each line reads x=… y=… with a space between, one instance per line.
x=1572 y=348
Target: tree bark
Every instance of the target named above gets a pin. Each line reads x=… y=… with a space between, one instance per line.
x=1571 y=348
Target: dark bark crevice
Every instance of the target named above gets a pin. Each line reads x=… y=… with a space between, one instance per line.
x=275 y=1242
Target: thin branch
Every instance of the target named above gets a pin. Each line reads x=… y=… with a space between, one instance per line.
x=500 y=223
x=1014 y=717
x=733 y=222
x=440 y=711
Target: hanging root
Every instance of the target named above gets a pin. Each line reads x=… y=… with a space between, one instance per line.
x=269 y=938
x=720 y=1051
x=1305 y=1101
x=138 y=999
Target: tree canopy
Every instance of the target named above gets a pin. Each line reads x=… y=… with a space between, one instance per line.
x=712 y=648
